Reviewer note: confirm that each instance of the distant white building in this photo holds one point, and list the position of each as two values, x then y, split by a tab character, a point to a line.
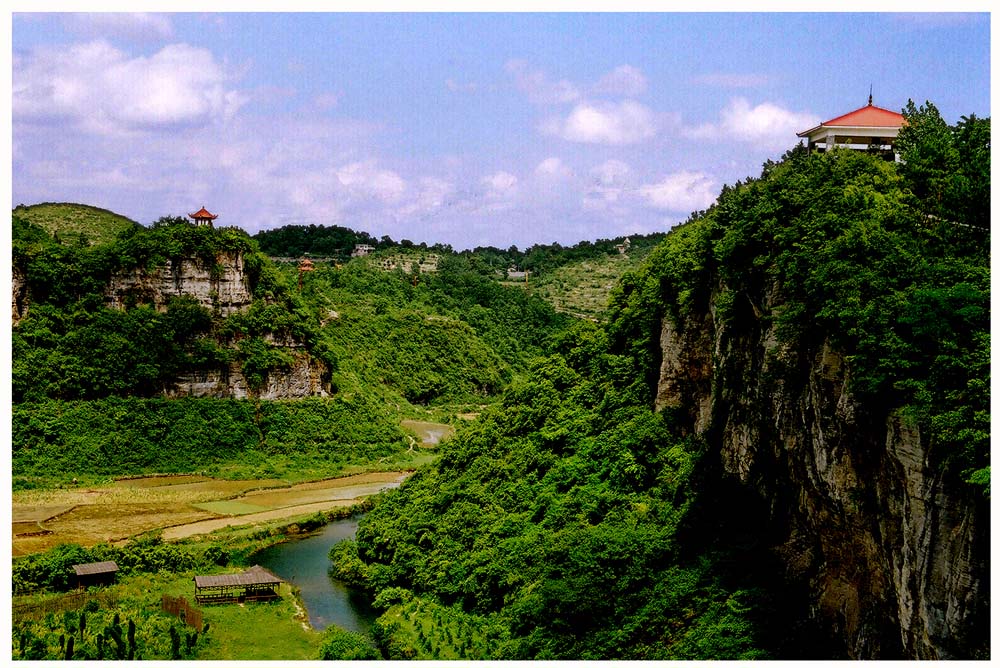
360	250
624	246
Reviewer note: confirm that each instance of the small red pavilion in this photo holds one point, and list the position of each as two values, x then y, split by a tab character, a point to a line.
203	217
867	128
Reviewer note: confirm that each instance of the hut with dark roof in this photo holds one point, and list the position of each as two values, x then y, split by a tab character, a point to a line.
254	584
95	574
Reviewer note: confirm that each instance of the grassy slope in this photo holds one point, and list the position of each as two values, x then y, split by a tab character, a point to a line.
98	226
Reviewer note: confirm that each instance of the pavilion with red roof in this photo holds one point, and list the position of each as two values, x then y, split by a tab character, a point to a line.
867	128
203	217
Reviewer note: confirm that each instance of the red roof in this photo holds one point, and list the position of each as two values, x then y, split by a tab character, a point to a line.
203	213
868	116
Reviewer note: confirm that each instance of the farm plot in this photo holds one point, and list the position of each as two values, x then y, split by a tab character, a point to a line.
43	519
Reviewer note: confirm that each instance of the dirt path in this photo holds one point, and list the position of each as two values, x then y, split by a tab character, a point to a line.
208	526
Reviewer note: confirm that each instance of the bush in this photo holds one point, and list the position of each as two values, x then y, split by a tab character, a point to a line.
341	645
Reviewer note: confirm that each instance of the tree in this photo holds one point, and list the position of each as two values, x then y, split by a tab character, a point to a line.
164	221
947	167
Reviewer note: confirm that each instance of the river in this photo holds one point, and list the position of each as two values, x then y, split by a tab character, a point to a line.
304	563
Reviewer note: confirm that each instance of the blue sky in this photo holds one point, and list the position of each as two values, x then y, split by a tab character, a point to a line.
467	129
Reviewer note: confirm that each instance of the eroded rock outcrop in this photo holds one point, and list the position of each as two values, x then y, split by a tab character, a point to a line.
305	377
221	286
19	295
892	548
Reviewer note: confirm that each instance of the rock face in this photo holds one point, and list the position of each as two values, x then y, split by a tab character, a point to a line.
307	377
19	295
223	287
893	551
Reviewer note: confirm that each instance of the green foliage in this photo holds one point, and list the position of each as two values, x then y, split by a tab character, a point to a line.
948	167
316	240
341	645
55	440
552	517
70	346
454	336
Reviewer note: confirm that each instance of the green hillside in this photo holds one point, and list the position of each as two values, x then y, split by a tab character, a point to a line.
582	288
73	223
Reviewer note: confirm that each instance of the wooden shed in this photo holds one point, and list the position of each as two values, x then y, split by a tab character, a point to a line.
254	584
95	574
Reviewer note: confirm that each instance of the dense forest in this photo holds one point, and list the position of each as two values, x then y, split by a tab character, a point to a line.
337	243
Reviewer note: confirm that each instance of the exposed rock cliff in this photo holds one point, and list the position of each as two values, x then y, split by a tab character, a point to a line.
19	295
222	287
893	550
306	377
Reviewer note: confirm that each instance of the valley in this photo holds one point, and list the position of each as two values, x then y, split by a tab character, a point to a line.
763	435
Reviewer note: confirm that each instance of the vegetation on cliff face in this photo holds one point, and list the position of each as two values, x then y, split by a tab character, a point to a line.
70	346
863	254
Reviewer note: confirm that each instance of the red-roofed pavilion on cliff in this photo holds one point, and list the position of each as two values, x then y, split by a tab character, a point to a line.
867	128
203	217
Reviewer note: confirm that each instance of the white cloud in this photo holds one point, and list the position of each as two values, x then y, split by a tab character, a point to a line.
99	89
611	172
681	191
766	125
535	84
625	122
553	168
623	80
500	183
609	185
366	178
138	26
432	194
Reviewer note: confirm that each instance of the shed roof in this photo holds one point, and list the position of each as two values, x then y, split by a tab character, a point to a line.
96	568
256	575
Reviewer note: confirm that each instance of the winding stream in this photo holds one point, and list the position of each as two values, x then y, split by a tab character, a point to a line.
304	563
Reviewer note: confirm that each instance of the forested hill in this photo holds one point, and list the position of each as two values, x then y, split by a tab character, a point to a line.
814	483
337	243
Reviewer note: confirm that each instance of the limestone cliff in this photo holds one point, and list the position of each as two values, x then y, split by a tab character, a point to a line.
306	377
19	295
891	548
221	286
224	288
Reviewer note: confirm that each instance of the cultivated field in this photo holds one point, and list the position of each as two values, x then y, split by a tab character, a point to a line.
180	505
